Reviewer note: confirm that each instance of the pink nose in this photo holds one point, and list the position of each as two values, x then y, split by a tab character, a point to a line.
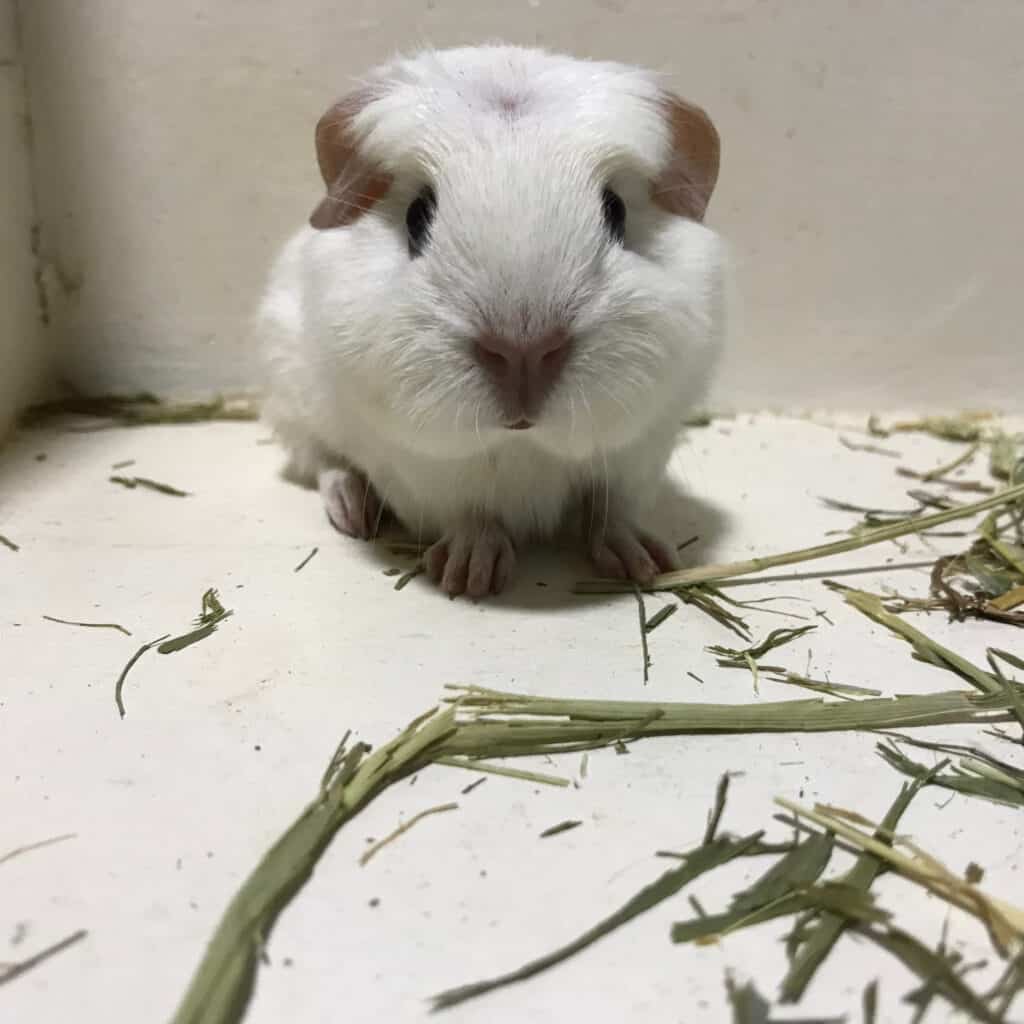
523	372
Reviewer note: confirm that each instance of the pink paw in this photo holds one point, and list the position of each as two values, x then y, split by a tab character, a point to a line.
473	559
620	551
351	503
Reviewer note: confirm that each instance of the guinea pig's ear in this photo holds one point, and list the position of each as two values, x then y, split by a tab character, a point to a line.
685	185
353	185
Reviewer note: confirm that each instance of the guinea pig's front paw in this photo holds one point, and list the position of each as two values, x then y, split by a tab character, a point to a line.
621	551
475	559
351	503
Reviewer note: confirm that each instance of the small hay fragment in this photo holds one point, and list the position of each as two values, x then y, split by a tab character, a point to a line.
466	790
946	468
702	859
1005	455
1009	600
1009	986
1004	921
475	765
819	934
88	625
869	1002
776	893
872	449
179	643
709	600
144	409
750	1007
682	581
8	543
29	847
119	685
302	565
747	658
973	778
651	624
644	651
222	985
967	427
8	972
406	578
131	482
925	649
717	810
373	850
562	826
123	464
213	613
825	686
934	970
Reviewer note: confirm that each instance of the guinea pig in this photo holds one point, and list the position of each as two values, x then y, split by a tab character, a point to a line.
501	310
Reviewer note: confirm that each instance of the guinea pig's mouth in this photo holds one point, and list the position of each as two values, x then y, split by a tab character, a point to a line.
520	424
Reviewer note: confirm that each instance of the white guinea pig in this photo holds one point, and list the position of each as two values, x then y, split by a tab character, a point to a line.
503	308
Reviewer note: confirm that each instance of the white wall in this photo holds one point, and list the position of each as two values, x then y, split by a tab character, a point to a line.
22	335
871	173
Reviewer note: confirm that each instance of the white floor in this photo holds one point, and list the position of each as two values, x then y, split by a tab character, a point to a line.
225	742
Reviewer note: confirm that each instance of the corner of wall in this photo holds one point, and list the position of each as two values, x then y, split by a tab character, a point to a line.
25	365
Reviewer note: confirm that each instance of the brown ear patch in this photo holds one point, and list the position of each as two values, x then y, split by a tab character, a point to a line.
685	185
353	185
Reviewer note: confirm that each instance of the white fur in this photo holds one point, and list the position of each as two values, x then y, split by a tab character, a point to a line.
369	352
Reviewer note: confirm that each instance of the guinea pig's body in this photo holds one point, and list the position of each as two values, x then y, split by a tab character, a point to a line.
503	308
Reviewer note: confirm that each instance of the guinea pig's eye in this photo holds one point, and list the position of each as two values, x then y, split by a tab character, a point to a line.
418	219
614	215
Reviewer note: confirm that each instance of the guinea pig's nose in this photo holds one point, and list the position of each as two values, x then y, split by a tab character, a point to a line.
524	370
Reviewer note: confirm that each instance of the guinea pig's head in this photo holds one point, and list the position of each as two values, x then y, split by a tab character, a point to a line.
516	245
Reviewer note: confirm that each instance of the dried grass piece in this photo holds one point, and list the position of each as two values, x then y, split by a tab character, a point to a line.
644	650
750	1007
1004	921
131	482
776	893
497	769
119	685
974	777
144	409
936	474
11	971
873	449
8	543
702	859
302	565
496	724
747	658
967	427
562	826
29	847
223	982
842	690
934	970
925	649
372	851
651	624
710	600
816	937
682	580
88	625
213	613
